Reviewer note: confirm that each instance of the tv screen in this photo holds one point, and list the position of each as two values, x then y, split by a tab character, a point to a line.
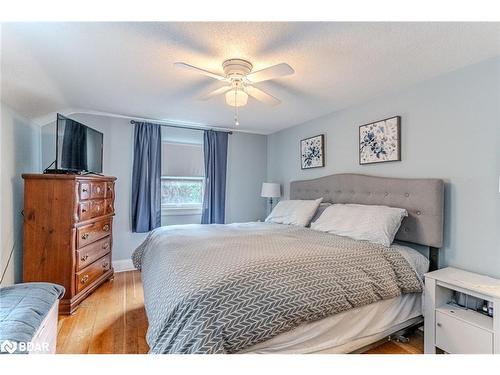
78	147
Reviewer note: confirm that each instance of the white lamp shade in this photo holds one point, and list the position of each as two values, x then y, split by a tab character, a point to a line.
270	190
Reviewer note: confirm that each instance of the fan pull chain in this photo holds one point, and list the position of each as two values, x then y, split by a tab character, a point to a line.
236	122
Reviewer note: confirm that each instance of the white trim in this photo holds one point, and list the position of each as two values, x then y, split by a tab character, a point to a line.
192	144
180	211
201	178
123	265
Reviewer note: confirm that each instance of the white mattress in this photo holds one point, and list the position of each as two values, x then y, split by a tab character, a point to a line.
352	329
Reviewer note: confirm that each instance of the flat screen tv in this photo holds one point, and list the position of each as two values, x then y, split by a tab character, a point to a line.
78	147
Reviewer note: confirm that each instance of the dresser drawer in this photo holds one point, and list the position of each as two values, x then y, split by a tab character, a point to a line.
88	275
98	189
109	206
97	207
459	337
94	208
84	212
110	189
84	190
90	253
92	232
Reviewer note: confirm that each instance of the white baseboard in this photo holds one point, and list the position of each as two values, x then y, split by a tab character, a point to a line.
123	265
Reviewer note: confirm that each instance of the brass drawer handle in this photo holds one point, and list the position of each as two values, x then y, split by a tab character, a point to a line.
105	228
105	265
105	245
85	236
83	258
84	279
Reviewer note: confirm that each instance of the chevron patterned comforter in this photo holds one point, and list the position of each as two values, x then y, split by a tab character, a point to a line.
223	288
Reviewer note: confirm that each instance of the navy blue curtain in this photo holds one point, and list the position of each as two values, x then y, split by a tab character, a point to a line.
146	178
214	200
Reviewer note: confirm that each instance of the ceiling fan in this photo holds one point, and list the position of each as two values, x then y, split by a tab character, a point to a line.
240	81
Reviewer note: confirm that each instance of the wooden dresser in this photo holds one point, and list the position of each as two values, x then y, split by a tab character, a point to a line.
68	233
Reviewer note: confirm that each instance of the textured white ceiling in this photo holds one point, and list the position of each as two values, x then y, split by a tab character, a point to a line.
127	68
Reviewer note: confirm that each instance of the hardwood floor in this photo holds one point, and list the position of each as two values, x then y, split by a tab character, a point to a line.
414	346
113	320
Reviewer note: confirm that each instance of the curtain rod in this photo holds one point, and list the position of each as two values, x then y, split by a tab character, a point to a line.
183	127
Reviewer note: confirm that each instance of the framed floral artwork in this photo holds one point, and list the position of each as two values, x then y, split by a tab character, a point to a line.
312	152
380	141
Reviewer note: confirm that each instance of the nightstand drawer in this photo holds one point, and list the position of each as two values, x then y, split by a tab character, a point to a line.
459	337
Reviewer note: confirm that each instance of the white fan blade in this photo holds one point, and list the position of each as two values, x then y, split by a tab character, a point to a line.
262	96
199	70
271	72
219	91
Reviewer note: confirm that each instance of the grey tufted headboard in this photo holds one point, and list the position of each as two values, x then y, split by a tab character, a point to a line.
422	198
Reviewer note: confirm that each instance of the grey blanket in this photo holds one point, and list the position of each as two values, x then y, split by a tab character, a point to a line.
23	307
223	288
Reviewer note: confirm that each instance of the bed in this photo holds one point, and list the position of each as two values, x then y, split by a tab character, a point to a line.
273	288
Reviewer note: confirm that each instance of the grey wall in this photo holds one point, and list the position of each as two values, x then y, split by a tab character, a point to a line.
20	153
246	171
450	130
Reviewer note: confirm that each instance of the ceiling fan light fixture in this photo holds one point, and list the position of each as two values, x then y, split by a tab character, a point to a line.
236	98
240	78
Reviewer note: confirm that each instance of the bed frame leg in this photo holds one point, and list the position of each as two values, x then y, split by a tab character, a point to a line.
433	258
402	339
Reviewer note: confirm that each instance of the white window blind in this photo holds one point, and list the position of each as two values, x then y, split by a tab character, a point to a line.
182	160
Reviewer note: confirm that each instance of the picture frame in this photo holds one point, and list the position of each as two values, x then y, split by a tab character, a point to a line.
380	141
312	152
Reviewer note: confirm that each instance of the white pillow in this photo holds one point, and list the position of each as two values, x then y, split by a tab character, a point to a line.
377	224
295	212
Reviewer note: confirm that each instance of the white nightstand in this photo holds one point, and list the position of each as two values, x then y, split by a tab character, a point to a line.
454	329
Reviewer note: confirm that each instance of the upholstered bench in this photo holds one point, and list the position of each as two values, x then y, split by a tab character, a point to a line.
28	318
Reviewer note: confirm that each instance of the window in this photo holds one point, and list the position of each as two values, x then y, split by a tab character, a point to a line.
182	178
182	192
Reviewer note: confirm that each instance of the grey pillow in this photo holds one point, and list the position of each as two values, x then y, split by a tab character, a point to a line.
322	207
